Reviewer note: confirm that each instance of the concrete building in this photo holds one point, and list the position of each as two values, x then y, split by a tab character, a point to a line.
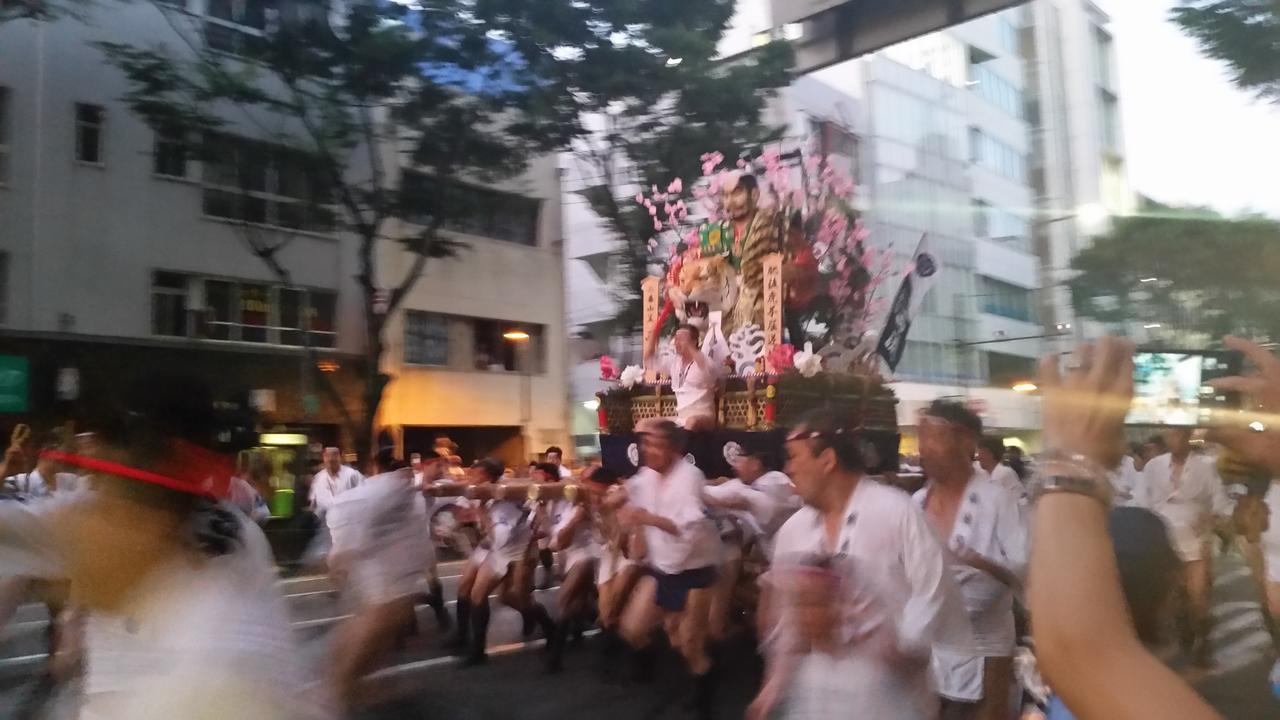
942	145
1078	167
114	245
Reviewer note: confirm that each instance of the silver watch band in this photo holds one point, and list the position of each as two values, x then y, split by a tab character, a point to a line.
1097	488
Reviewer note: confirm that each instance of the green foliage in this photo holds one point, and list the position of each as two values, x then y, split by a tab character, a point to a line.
1244	34
40	10
1212	276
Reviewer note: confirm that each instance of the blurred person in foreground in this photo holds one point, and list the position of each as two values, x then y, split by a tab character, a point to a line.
980	522
1184	488
184	619
858	593
1087	646
380	539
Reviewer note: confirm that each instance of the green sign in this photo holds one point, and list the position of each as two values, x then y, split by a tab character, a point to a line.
14	372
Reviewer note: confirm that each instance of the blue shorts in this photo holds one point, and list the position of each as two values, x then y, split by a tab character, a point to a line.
673	590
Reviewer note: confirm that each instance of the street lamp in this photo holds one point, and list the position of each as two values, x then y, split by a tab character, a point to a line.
1025	388
520	339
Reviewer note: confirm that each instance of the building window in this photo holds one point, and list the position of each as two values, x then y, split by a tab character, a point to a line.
1109	121
426	338
1102	57
169	158
1006	300
265	184
997	90
835	139
1009	36
89	120
981	219
237	26
4	135
997	156
1005	371
473	210
493	351
245	312
169	304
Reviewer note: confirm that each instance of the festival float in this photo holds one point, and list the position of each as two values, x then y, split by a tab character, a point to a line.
769	261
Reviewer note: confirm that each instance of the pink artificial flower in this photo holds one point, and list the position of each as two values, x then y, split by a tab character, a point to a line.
639	198
608	371
676	186
653	209
782	357
669	209
657	225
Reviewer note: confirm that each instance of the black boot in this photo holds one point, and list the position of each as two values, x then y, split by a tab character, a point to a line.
555	646
704	699
460	640
548	561
538	617
610	652
436	601
479	636
643	661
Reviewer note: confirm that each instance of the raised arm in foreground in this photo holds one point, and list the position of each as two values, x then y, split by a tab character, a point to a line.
1086	644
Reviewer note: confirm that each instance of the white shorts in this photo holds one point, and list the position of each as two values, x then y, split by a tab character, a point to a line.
610	565
569	557
958	676
392	573
498	561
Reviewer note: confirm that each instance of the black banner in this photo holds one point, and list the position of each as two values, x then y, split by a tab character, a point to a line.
893	341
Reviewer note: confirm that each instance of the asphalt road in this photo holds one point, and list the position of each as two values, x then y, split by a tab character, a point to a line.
421	680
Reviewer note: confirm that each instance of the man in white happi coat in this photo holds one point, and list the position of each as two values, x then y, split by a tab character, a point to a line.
1184	488
332	480
683	553
981	524
380	537
858	593
184	616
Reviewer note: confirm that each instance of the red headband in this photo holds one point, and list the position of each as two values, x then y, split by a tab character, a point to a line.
197	483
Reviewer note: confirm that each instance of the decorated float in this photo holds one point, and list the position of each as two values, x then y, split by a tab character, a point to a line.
769	261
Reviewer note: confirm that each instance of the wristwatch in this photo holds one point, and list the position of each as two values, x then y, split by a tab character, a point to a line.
1098	489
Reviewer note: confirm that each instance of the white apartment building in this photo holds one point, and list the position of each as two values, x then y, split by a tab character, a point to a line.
118	254
1078	161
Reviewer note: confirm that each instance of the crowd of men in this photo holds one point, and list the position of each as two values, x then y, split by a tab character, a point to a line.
864	600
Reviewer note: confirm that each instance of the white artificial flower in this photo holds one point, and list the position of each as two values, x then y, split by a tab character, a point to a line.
807	362
631	375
